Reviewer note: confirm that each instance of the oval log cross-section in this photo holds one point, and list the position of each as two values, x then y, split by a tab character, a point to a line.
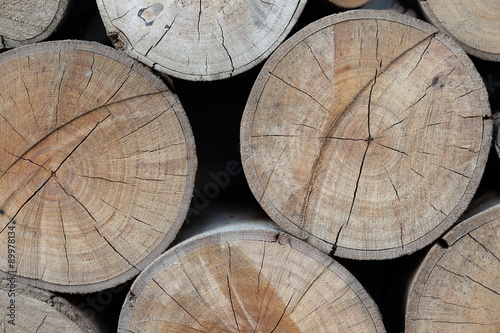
97	165
247	281
457	288
366	134
197	39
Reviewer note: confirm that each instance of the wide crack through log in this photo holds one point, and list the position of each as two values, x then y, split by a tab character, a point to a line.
52	174
368	89
67	142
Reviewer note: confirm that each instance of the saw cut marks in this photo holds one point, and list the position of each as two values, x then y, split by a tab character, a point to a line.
366	134
198	39
97	165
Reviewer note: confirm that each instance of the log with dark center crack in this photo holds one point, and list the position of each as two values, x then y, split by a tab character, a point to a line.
97	165
199	40
366	134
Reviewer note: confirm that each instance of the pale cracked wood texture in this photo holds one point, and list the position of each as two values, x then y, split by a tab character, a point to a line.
247	281
199	39
26	22
40	311
97	165
474	24
366	134
457	288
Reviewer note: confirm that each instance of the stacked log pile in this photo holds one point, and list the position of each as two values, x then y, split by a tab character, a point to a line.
343	180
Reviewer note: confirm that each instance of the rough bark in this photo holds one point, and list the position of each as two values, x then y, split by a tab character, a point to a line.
97	165
366	134
199	40
36	310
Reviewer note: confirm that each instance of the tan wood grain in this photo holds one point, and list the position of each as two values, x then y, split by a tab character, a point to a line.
37	310
247	281
457	286
474	24
366	134
97	165
349	3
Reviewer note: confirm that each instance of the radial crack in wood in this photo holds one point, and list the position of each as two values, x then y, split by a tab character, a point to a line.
382	101
457	287
255	280
199	40
97	161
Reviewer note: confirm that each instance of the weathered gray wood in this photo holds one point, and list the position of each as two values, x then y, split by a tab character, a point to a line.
28	22
199	40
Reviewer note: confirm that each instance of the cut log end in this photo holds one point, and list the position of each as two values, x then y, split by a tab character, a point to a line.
28	22
97	165
28	309
457	287
366	133
247	281
475	26
199	40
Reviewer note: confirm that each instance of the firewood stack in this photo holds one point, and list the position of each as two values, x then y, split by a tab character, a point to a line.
249	166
